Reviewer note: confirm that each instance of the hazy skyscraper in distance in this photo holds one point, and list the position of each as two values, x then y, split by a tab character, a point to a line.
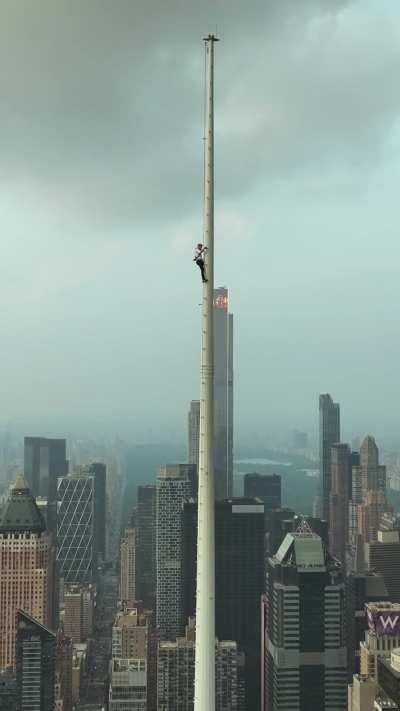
45	461
223	394
193	433
146	545
27	567
329	434
266	487
35	656
339	500
223	400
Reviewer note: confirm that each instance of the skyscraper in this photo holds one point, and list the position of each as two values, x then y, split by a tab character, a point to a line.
45	461
266	487
383	556
306	627
173	488
239	579
76	530
373	475
329	434
223	395
99	472
36	659
27	567
369	514
128	565
193	433
223	400
146	546
339	500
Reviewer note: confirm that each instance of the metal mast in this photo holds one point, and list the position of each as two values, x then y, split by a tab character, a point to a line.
204	686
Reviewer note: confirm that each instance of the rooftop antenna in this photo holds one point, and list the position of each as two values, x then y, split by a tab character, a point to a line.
204	685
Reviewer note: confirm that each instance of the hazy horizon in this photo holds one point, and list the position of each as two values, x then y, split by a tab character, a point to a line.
101	206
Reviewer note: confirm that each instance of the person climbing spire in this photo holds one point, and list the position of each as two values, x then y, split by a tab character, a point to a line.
199	255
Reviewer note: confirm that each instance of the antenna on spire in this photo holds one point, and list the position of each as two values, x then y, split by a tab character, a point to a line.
304	528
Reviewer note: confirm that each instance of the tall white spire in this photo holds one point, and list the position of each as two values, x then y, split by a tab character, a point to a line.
204	688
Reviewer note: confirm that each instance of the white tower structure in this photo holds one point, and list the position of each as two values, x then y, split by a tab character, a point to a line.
204	687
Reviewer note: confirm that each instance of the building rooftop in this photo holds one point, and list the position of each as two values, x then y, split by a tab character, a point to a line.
20	512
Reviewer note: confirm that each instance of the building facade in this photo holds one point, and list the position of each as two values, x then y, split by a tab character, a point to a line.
76	553
193	433
329	434
146	546
127	583
175	681
27	568
44	461
306	655
223	400
239	579
36	660
267	487
383	556
339	500
128	684
78	616
173	488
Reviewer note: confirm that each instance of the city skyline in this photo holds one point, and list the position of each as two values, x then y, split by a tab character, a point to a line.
305	233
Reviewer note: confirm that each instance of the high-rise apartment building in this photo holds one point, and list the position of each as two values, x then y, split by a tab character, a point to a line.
306	655
76	529
339	500
223	395
175	679
267	487
329	434
146	546
36	659
45	461
239	579
173	488
128	684
127	584
193	433
78	612
27	568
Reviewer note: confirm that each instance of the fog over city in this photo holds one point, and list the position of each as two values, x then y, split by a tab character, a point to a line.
101	145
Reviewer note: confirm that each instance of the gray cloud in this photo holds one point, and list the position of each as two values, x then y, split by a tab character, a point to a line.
100	200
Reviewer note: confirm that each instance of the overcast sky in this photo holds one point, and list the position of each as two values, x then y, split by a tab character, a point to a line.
100	205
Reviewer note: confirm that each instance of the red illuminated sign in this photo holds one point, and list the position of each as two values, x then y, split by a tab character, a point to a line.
221	302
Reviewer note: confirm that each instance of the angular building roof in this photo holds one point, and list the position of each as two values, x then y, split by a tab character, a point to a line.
20	513
306	551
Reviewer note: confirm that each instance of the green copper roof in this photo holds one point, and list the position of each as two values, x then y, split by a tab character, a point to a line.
20	513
